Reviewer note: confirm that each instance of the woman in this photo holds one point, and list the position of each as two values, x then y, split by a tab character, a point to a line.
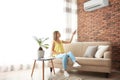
58	51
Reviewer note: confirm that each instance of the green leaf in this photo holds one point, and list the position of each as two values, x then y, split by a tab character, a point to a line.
41	42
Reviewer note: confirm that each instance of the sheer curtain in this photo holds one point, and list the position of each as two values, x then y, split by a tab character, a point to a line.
71	18
20	20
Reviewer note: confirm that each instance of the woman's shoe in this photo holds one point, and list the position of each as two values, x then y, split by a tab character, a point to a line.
76	64
66	74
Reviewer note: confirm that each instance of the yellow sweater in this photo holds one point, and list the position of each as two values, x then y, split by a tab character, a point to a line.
58	48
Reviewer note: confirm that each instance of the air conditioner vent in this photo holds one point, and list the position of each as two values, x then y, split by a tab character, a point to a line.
95	4
92	7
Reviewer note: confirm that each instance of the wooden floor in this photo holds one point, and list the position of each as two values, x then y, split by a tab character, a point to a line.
26	75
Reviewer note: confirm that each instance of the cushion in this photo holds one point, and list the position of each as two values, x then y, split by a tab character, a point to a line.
101	50
93	61
90	51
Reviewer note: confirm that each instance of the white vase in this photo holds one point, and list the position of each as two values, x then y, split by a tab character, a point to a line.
40	54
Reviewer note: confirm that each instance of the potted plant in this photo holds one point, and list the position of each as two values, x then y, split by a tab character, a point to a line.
42	44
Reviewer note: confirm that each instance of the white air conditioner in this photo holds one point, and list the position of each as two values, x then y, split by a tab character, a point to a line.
95	4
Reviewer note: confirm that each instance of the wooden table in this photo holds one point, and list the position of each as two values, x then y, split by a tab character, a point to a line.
43	59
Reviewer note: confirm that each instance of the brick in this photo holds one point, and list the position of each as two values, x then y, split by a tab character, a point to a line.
101	25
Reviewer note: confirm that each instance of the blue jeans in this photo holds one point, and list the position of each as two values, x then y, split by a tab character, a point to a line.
65	57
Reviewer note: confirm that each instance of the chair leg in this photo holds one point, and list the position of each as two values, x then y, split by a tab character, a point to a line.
53	66
107	75
50	77
51	69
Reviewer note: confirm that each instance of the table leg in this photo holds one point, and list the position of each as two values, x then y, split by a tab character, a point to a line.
43	70
53	66
33	67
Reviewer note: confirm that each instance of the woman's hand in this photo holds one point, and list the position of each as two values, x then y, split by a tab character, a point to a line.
66	42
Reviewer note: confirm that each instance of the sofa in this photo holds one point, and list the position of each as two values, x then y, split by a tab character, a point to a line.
92	63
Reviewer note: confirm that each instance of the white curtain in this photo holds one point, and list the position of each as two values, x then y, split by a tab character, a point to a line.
20	20
71	18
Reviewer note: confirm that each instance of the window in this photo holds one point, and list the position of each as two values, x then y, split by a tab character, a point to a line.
20	20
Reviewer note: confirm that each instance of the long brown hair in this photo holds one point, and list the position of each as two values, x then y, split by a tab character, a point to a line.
55	35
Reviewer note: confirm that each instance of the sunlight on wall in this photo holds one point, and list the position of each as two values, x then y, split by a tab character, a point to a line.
20	20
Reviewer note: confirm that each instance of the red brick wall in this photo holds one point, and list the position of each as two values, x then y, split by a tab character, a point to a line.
101	25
